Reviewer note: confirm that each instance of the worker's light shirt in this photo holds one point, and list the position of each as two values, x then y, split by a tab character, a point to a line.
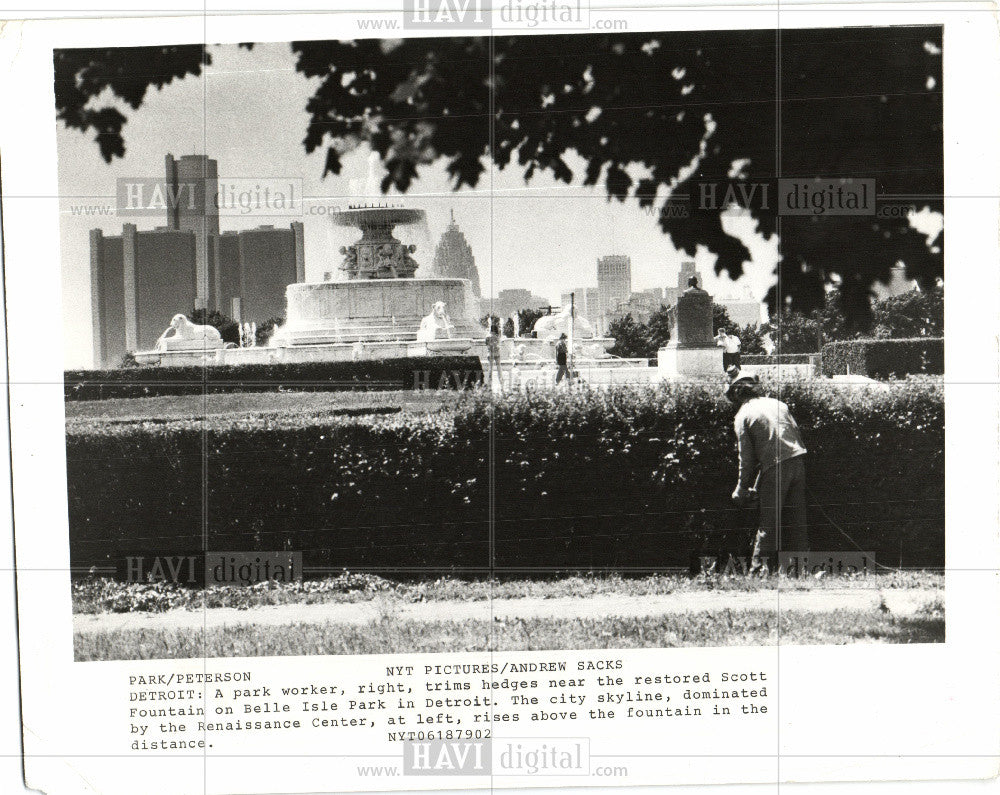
730	343
767	434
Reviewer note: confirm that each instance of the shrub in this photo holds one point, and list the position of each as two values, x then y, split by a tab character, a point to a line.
405	373
782	358
626	478
884	358
632	339
917	313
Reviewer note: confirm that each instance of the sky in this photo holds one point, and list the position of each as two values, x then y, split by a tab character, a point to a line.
248	112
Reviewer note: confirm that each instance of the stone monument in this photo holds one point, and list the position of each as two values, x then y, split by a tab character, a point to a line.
183	335
436	326
691	352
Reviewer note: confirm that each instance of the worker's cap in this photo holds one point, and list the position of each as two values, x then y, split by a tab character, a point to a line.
736	378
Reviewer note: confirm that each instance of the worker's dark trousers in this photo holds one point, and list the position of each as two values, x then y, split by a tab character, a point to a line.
782	493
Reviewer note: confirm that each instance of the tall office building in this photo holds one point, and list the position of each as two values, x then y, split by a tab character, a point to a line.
688	271
614	281
453	257
107	298
684	275
586	302
507	302
252	268
193	183
140	279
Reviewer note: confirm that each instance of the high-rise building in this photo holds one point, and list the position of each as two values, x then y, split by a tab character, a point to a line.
142	278
614	281
107	298
586	303
252	268
453	257
139	281
688	271
743	311
507	302
641	305
193	183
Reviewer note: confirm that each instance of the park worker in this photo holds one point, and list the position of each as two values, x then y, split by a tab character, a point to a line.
731	345
770	449
562	358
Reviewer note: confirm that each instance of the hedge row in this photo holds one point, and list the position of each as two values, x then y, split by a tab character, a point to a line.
781	358
405	373
618	478
885	358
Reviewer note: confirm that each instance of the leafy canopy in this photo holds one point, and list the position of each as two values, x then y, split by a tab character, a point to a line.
681	106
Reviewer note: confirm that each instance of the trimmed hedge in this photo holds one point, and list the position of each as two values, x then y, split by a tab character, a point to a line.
619	478
781	358
885	358
404	373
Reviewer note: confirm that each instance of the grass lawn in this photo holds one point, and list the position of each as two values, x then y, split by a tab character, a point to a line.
389	635
391	631
102	595
243	403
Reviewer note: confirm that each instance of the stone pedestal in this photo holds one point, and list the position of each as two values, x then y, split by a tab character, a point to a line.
184	344
679	361
692	327
691	352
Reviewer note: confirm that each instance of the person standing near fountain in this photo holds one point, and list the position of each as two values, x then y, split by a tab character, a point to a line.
493	354
731	346
562	358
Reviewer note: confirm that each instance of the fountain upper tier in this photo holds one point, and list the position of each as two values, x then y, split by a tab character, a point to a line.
377	217
378	255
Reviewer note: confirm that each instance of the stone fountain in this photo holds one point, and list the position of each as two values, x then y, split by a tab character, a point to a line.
381	309
381	300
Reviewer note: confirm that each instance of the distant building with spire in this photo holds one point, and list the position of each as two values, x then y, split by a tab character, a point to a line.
743	309
453	257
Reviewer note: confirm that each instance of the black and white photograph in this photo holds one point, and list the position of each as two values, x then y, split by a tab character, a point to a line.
515	342
456	395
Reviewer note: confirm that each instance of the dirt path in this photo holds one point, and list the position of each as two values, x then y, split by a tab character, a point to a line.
900	602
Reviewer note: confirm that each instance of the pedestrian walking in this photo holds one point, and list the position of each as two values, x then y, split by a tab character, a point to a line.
562	359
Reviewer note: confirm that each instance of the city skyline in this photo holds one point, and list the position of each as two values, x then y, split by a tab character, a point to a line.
547	251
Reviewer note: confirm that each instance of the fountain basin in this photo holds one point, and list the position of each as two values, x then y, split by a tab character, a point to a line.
373	310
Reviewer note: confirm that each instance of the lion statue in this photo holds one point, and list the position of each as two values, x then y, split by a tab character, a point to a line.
182	334
436	326
549	327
